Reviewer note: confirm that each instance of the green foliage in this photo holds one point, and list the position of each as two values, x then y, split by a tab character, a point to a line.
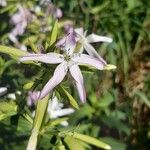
7	109
118	106
54	33
13	52
90	140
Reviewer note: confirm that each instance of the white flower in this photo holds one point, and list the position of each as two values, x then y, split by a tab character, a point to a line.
56	110
3	90
12	96
3	3
92	38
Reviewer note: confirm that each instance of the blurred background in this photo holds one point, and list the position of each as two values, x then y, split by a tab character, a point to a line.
118	102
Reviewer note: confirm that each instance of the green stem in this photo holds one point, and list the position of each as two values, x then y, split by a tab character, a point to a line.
39	120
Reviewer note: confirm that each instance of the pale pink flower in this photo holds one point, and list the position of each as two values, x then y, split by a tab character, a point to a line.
87	40
20	21
32	97
68	62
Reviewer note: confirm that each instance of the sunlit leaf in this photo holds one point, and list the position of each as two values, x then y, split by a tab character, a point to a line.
28	85
73	143
12	51
70	98
90	140
32	45
109	67
54	33
7	109
55	122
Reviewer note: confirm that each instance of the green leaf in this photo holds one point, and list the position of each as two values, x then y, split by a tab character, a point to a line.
6	65
57	121
99	8
53	123
70	98
28	85
32	45
73	143
143	98
7	109
54	33
13	52
106	100
89	140
24	125
109	67
115	144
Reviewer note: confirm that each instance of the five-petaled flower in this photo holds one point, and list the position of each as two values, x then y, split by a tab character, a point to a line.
69	61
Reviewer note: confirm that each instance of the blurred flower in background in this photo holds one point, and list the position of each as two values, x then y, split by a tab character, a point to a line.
3	90
3	3
87	40
52	9
32	97
20	20
56	110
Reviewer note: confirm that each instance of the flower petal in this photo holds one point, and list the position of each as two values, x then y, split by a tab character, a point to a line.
96	38
91	50
76	74
79	31
51	58
32	97
88	60
68	43
57	77
3	90
64	112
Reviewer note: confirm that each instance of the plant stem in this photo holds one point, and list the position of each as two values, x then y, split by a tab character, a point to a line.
39	120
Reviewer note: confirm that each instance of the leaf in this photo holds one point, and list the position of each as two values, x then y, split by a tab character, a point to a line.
115	144
89	140
7	109
54	33
28	118
114	122
70	98
28	85
73	143
12	51
24	125
109	67
32	45
99	8
143	98
55	122
6	65
106	100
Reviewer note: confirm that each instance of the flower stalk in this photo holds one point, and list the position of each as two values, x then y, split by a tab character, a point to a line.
39	120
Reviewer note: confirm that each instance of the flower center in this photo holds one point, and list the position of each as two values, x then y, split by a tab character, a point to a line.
67	57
